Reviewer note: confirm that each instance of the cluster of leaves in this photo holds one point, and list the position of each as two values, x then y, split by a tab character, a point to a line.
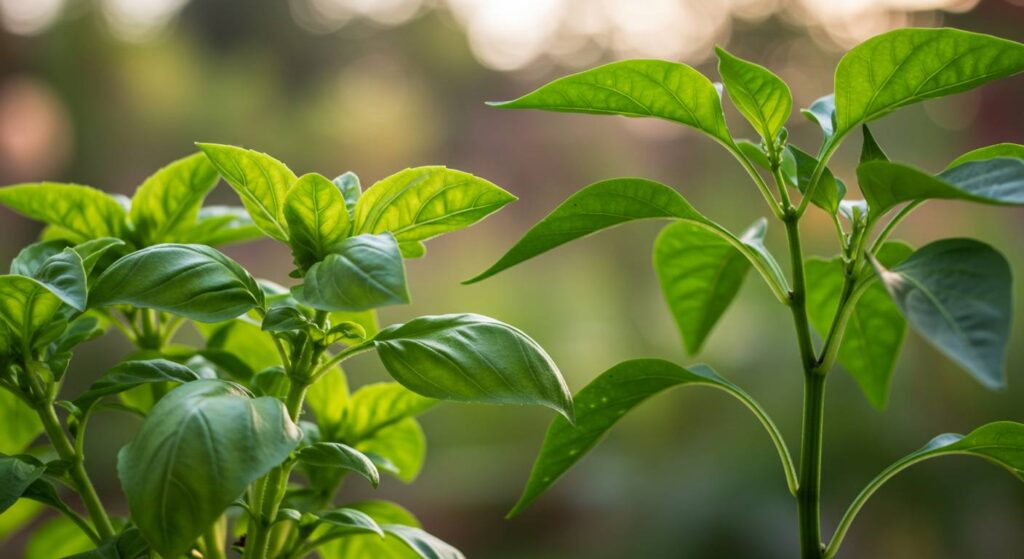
225	425
955	293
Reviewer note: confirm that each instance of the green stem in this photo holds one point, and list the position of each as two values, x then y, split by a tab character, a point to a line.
809	493
758	180
889	227
83	484
213	540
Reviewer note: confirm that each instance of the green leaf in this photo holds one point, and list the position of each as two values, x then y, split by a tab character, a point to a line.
345	521
402	444
21	424
242	340
910	65
59	537
64	275
17	473
328	399
998	181
193	281
870	150
30	258
613	202
364	272
600	405
348	184
223	225
284	319
167	203
376	406
337	455
128	544
422	543
635	88
823	112
27	307
81	212
753	152
956	294
17	517
990	152
370	545
761	96
423	202
92	252
130	374
875	331
700	274
472	358
829	192
197	451
261	181
318	220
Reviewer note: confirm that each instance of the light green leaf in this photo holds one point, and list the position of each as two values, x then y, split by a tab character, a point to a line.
423	544
402	444
130	374
376	406
21	424
58	537
613	202
176	473
318	220
636	88
223	225
81	212
829	192
472	358
370	545
823	112
260	181
990	152
27	307
423	202
761	96
17	517
337	455
242	339
700	274
193	281
956	294
602	403
875	331
910	65
167	203
998	181
328	398
364	272
348	184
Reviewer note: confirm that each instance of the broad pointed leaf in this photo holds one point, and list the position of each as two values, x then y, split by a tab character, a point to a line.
81	212
130	374
761	96
166	205
27	307
401	444
371	545
318	220
364	272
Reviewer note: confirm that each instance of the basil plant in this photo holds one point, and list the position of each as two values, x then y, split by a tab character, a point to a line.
245	440
851	309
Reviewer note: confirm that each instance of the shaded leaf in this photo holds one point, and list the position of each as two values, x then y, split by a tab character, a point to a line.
130	374
364	272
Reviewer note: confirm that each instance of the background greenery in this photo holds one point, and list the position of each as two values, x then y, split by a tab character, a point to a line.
103	92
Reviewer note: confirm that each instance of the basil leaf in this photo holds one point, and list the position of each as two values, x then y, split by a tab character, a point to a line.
129	544
348	184
423	202
130	374
328	400
823	112
990	152
81	212
956	294
371	545
284	319
337	455
30	258
364	272
905	66
346	521
317	219
761	96
422	543
223	225
402	445
636	88
21	424
97	250
166	205
17	473
260	181
58	537
64	275
700	274
28	307
178	458
193	281
472	358
376	406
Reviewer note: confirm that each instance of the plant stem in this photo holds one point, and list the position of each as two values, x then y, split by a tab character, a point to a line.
66	451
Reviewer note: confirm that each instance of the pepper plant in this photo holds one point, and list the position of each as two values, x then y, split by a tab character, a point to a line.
227	424
955	293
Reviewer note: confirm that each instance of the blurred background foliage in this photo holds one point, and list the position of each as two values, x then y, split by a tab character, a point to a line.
103	92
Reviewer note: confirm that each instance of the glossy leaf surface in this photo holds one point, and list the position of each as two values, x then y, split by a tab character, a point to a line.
761	97
364	272
317	218
166	205
336	455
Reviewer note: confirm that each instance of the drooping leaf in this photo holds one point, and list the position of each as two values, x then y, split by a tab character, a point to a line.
223	225
823	112
700	274
956	294
635	88
318	220
261	181
875	331
364	272
472	358
348	184
998	181
193	281
337	455
761	96
600	405
423	202
401	444
64	275
376	406
990	152
27	307
17	473
197	451
613	202
81	212
167	203
130	374
828	193
905	66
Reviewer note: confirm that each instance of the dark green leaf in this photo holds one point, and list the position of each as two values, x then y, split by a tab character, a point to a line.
423	544
870	150
829	191
81	212
126	545
283	319
166	205
473	358
318	220
32	257
337	455
956	294
197	451
130	374
193	281
761	97
349	521
260	181
365	272
17	473
64	275
636	88
423	202
910	65
92	252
